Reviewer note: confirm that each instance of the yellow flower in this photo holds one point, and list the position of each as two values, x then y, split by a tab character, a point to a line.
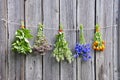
22	27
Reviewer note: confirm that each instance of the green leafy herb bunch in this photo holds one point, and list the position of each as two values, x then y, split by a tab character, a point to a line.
61	51
41	44
21	44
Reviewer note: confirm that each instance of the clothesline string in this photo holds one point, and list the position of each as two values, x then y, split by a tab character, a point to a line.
14	23
76	42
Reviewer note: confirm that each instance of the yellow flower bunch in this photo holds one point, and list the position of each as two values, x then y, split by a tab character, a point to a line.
98	44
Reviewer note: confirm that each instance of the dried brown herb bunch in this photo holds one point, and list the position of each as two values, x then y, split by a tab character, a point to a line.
41	44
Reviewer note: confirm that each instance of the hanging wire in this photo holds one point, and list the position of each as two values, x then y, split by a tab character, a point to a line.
11	22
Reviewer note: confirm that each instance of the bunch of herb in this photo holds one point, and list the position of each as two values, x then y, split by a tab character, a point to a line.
99	44
61	51
21	44
41	44
82	49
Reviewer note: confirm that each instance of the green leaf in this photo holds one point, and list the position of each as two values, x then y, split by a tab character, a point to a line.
21	43
61	51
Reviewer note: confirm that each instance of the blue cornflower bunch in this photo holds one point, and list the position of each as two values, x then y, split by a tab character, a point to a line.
82	49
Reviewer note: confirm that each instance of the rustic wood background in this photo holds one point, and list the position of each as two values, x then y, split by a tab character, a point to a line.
71	13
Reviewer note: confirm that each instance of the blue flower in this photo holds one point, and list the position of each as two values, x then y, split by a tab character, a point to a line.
86	48
78	48
76	55
77	45
86	56
83	50
89	55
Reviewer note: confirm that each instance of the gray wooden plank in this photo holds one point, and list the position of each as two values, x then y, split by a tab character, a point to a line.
118	40
115	40
3	40
15	14
104	60
20	59
99	56
68	20
86	16
33	15
51	20
47	11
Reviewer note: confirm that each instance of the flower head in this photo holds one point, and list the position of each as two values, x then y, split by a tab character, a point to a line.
76	55
86	56
83	50
78	48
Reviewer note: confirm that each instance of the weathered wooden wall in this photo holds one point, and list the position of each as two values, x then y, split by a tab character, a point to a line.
71	13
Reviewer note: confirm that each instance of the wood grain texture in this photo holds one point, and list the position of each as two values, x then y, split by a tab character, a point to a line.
3	40
70	13
50	20
115	40
86	16
118	40
33	16
68	20
104	60
15	61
